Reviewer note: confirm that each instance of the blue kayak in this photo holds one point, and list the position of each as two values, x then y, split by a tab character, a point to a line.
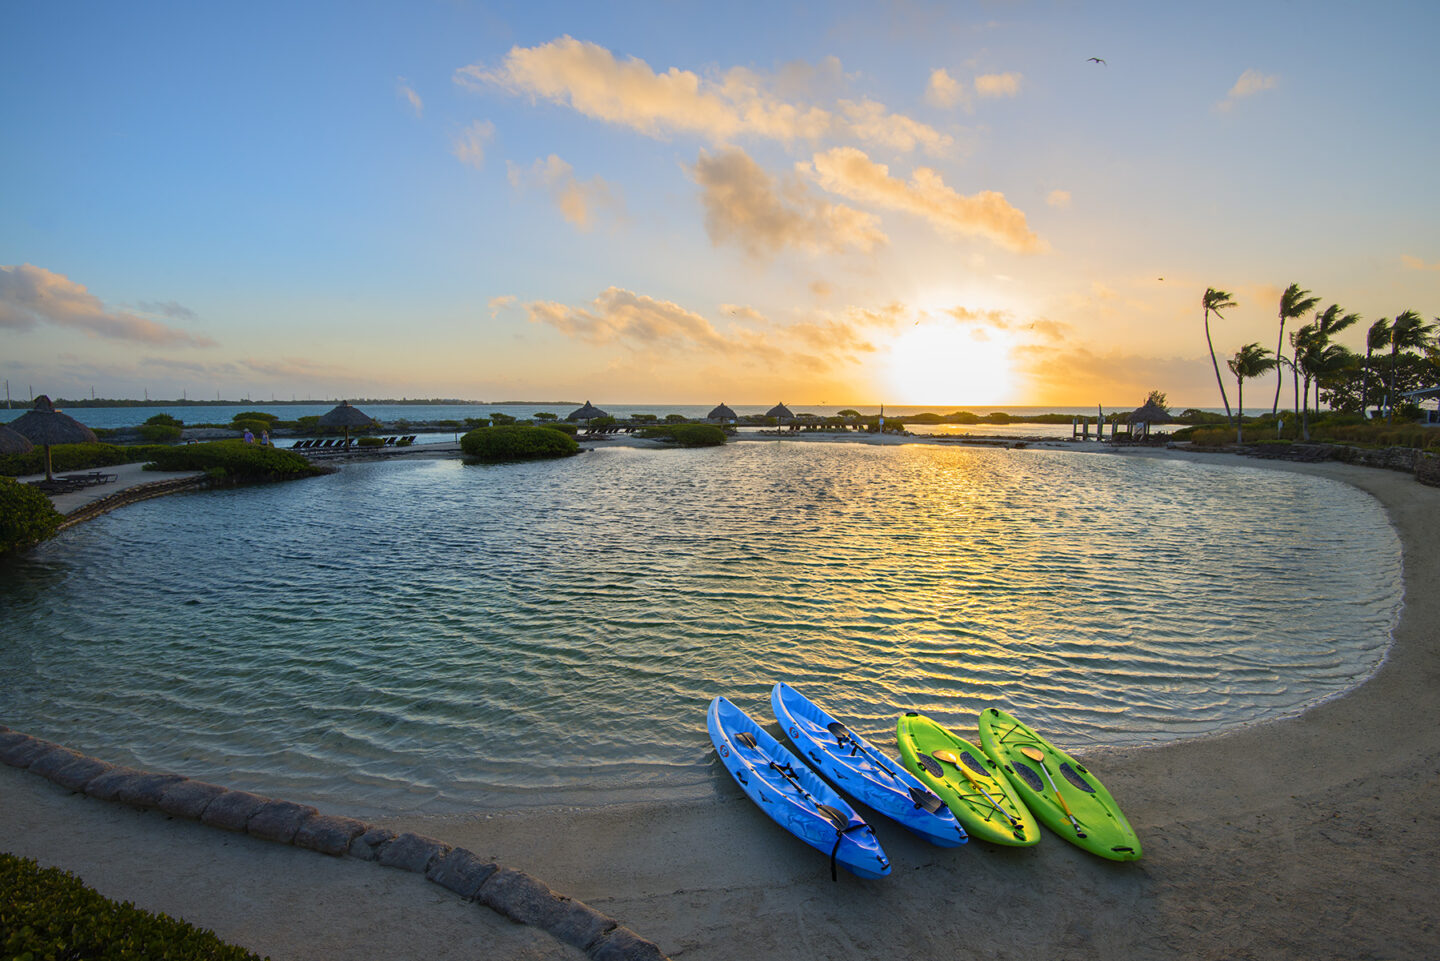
857	768
793	795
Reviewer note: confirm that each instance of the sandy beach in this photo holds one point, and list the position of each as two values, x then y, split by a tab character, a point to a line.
1307	837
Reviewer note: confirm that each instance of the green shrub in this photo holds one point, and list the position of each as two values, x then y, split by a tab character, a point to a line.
963	417
255	415
165	420
563	426
501	420
517	442
686	435
74	457
674	418
253	426
235	460
473	422
26	518
159	433
46	913
308	423
371	442
404	442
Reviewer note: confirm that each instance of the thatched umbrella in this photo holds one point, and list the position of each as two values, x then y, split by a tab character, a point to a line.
13	443
588	412
1151	413
46	426
781	413
343	415
722	414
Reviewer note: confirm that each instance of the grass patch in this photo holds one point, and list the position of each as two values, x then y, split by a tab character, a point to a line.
48	915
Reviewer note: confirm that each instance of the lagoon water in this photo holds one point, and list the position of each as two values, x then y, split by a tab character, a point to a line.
440	637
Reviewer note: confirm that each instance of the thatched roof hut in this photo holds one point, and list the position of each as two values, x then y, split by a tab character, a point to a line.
721	415
1150	414
14	443
344	416
588	412
780	412
46	426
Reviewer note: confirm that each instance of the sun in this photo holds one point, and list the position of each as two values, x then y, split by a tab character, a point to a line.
939	363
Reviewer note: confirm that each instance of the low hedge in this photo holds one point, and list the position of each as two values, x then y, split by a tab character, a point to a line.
234	459
517	442
687	435
47	914
26	516
65	458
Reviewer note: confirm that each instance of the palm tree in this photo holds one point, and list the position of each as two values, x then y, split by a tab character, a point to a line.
1408	331
1216	301
1310	344
1376	337
1252	360
1293	303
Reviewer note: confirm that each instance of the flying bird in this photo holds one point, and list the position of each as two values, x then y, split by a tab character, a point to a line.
1097	60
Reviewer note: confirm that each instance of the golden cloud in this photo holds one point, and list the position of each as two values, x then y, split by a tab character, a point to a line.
589	79
469	144
850	173
622	315
998	84
30	296
578	200
1415	263
943	90
763	214
1058	198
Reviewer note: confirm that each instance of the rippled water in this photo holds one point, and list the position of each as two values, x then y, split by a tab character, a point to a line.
434	636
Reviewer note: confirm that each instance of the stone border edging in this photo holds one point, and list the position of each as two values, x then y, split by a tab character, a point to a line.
131	495
510	893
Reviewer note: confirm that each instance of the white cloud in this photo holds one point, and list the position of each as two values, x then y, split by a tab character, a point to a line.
578	200
497	304
850	173
408	94
1250	83
469	144
764	214
30	296
618	315
1415	263
1058	198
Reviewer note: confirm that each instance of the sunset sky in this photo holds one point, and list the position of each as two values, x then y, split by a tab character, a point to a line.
912	203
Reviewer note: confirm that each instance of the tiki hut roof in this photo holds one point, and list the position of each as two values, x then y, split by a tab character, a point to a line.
780	412
13	443
47	426
588	412
721	413
343	415
1150	414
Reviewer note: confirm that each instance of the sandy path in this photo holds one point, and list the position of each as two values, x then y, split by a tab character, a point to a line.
1308	837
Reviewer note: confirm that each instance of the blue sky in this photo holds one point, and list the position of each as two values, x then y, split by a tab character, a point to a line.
925	203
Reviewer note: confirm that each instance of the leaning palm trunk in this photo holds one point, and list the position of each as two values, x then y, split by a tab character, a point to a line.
1216	300
1240	409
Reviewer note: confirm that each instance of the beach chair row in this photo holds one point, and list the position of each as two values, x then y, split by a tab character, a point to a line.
67	483
606	431
338	443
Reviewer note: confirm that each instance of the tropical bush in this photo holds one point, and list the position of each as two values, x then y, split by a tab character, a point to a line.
159	433
501	420
687	435
371	442
46	913
26	518
74	457
165	420
563	426
253	426
256	415
517	442
234	460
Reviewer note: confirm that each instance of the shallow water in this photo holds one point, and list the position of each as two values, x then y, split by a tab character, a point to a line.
439	637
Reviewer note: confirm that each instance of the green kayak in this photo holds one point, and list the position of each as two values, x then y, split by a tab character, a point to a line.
1064	795
967	781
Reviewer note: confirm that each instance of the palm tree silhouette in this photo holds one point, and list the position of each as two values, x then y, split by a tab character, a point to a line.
1376	337
1215	301
1249	361
1407	332
1293	303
